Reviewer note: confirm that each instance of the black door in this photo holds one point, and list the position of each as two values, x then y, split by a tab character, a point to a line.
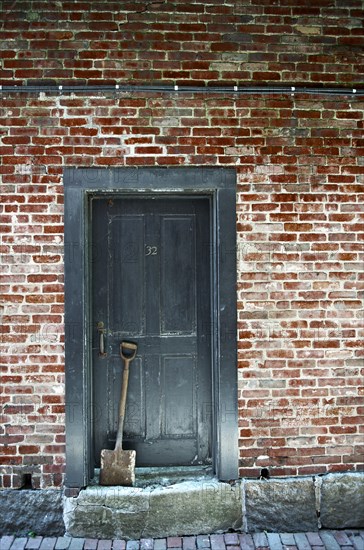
151	285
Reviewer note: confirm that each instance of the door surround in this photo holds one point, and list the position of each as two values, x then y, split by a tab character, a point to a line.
79	185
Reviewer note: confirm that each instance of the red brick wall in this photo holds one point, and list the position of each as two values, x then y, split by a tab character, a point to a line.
299	204
182	41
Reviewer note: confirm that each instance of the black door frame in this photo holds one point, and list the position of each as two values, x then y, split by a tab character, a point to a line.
80	184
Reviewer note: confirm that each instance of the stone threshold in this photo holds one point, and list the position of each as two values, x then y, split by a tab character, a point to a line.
164	476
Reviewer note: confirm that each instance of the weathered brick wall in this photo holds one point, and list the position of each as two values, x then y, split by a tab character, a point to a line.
182	41
298	207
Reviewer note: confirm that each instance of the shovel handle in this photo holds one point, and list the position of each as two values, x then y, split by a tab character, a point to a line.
128	350
127	358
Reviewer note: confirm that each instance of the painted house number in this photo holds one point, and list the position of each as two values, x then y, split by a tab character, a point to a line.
151	250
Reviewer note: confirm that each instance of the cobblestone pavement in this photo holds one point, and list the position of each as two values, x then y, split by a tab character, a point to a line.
322	540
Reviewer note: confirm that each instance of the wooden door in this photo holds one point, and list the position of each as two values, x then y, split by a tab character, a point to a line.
151	285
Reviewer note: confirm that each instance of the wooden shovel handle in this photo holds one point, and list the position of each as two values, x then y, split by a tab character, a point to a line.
124	390
122	405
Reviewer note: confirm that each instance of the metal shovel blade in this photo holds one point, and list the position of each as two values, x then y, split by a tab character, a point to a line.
117	467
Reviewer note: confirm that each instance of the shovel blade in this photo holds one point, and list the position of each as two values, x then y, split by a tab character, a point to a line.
117	467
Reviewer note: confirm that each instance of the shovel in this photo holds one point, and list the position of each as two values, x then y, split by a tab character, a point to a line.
118	466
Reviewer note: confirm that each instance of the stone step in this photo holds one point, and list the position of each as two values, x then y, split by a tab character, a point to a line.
173	502
200	505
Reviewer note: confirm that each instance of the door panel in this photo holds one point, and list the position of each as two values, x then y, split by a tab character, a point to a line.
178	284
179	403
151	284
126	273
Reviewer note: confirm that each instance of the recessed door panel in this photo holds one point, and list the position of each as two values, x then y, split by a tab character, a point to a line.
179	402
178	284
126	261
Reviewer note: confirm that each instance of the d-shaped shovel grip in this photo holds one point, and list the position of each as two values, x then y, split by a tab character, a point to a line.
127	353
128	350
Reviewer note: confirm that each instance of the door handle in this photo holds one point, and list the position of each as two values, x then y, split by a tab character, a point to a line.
101	330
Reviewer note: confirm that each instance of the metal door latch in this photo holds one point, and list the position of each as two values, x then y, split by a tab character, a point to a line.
101	330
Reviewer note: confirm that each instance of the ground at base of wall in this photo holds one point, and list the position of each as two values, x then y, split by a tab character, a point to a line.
289	505
323	540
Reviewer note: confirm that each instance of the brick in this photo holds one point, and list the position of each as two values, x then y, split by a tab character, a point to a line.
19	543
231	539
329	540
274	541
287	539
357	541
314	539
63	543
48	543
246	541
203	541
174	542
6	541
260	539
